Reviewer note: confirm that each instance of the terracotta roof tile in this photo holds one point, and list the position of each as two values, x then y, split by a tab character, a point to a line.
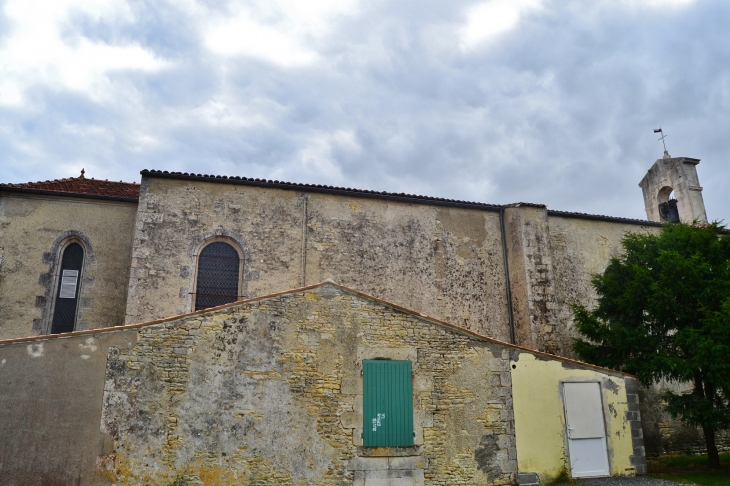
83	185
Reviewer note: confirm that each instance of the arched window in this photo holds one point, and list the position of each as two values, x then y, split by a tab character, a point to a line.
67	293
218	275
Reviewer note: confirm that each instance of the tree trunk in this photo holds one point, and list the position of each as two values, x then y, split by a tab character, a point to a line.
712	453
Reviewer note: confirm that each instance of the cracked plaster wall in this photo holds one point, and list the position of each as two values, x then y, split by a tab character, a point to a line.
540	417
51	392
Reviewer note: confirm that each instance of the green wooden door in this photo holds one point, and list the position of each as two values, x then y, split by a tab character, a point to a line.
387	397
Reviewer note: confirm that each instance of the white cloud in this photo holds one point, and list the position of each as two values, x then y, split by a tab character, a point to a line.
35	51
241	35
493	17
219	114
657	3
559	109
278	31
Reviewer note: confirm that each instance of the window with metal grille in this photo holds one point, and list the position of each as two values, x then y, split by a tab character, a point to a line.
217	284
387	399
67	293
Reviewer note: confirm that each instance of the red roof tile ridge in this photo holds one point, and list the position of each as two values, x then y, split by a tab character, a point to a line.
81	185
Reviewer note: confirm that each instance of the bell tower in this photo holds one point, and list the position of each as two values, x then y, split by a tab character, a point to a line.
672	191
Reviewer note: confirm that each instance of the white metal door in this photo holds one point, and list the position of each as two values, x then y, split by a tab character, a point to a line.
586	430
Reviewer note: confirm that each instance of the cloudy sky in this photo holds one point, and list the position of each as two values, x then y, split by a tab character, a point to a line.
496	101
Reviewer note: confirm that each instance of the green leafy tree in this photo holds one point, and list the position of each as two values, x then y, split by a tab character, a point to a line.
664	313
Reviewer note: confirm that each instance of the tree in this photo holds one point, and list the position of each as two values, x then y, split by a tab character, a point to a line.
663	312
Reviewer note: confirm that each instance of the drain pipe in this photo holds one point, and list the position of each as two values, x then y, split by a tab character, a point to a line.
305	216
510	314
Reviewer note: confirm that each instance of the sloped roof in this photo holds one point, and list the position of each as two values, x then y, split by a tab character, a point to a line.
599	217
81	186
366	193
345	191
327	282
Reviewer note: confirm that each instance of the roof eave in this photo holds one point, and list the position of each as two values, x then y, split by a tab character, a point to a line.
46	192
291	186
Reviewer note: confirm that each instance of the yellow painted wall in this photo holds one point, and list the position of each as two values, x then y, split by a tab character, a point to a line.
540	419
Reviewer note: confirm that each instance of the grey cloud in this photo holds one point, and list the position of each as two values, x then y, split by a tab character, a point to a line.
559	110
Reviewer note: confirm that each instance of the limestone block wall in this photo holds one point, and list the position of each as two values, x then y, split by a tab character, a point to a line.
453	256
666	435
32	231
270	392
176	217
446	262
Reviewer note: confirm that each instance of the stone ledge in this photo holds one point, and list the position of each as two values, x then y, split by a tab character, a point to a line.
411	463
388	451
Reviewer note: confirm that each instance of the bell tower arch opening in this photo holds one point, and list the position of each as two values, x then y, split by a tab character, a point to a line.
668	210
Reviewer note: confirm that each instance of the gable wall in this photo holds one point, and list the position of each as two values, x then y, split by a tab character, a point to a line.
272	390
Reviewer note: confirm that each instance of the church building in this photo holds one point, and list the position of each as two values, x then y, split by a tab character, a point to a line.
150	275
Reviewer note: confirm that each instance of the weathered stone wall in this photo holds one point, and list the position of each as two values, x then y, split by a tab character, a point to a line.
32	230
269	392
51	391
580	249
442	261
176	217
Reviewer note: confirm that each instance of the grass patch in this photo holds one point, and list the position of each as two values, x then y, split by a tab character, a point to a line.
691	469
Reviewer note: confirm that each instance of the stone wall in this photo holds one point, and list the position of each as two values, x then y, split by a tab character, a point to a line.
666	435
269	392
445	262
32	231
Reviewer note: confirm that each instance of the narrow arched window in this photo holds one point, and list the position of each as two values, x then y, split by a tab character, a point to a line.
218	272
67	293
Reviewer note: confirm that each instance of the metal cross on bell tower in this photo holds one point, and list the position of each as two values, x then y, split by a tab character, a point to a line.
659	130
